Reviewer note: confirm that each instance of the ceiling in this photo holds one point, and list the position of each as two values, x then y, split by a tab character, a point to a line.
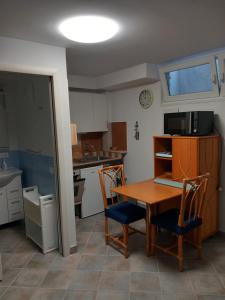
152	31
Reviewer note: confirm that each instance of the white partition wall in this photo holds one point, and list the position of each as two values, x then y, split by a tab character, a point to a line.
35	58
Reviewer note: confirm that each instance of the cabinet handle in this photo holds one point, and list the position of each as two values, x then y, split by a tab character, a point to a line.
14	202
16	213
14	191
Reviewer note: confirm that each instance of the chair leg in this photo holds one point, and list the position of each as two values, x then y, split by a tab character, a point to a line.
148	235
199	242
125	240
106	231
153	233
180	253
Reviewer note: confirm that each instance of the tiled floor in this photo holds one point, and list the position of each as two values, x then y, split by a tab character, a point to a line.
99	272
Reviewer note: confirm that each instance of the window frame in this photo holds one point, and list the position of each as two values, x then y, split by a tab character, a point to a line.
166	98
221	60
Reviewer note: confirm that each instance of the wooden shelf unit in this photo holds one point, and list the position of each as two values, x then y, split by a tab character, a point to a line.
192	156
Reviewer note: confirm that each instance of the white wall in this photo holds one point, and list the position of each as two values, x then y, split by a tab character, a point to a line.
29	57
28	111
139	159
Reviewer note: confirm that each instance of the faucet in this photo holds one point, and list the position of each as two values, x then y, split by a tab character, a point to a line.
3	165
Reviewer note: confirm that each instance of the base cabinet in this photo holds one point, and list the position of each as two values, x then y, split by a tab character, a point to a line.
191	157
11	202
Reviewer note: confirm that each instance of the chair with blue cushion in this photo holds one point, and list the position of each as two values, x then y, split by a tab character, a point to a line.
121	210
181	221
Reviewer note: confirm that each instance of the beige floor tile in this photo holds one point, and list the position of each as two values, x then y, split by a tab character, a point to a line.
115	251
26	246
179	297
2	290
58	278
70	261
114	280
167	264
112	295
17	293
117	263
82	237
9	275
92	262
144	296
198	266
85	225
214	250
219	263
99	227
144	281
95	248
141	263
85	280
207	284
210	297
80	295
30	277
48	294
17	260
42	261
175	283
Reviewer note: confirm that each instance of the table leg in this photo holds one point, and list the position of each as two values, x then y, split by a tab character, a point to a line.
148	236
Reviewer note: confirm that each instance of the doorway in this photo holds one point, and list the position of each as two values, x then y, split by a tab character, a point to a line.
28	145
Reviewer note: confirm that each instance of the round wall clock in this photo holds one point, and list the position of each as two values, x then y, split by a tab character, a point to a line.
146	98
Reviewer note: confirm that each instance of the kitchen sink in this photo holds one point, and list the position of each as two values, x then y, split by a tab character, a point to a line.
8	175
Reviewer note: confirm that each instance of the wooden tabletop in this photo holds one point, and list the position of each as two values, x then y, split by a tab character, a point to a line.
148	191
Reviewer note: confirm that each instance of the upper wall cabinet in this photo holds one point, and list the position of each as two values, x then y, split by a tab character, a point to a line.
88	111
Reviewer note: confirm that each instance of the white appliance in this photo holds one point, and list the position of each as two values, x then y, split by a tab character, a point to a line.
92	202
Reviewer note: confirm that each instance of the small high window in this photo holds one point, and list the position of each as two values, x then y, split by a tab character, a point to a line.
190	80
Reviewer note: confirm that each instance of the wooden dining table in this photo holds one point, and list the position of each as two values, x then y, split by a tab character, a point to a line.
151	194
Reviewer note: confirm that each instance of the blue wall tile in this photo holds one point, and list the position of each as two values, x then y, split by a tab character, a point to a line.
36	170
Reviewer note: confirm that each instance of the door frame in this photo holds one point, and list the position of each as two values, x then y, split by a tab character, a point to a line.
66	233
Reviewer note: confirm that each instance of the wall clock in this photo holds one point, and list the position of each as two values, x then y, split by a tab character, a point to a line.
146	98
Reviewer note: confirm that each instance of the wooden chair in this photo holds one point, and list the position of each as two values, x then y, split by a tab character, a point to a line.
181	221
124	212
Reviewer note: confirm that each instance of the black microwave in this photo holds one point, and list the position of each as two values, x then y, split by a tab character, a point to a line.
189	123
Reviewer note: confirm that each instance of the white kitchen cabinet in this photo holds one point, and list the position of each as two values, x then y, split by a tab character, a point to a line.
92	202
100	112
88	111
3	207
81	111
11	202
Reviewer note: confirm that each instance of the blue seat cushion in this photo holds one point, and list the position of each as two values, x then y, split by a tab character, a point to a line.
125	212
169	220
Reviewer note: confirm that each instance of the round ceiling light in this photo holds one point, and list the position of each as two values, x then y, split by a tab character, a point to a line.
89	29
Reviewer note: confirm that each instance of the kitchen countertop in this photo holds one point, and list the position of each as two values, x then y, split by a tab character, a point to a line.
85	163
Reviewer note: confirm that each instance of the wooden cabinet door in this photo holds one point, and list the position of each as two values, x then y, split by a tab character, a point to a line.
185	162
209	162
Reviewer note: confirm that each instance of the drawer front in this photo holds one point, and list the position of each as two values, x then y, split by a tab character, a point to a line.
16	215
3	207
14	192
15	204
16	182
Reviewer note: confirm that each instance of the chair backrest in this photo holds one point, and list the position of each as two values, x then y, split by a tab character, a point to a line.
111	177
193	199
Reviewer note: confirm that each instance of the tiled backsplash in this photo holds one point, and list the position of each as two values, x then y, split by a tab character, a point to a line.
37	170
